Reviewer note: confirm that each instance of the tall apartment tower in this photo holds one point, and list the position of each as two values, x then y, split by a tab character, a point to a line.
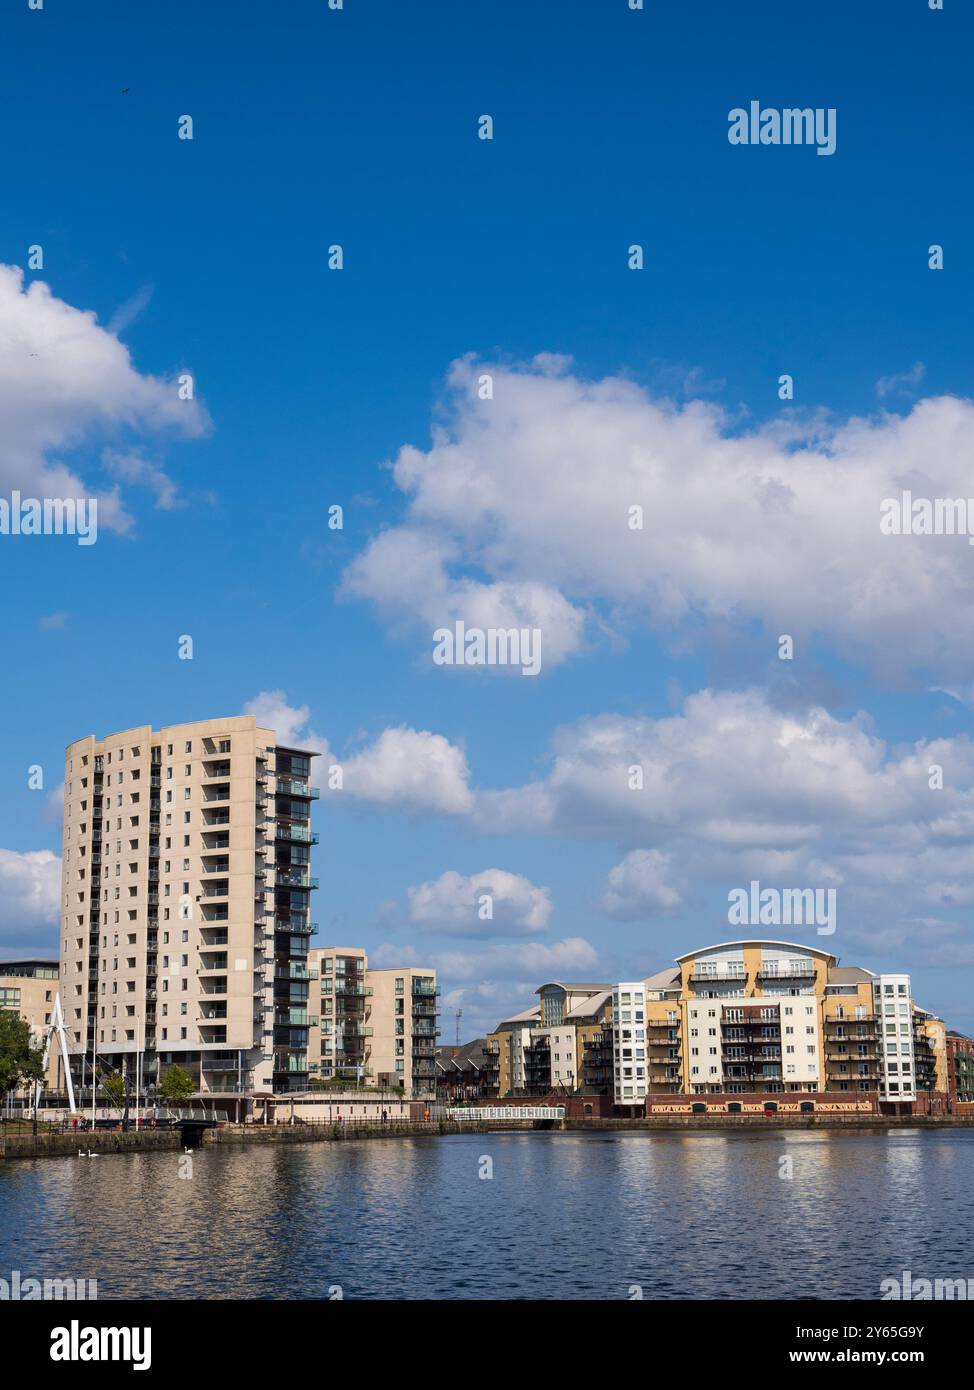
185	914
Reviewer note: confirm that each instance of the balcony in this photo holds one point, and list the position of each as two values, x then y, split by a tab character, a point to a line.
780	971
215	866
351	988
294	972
296	1018
290	1062
214	795
217	966
298	926
700	976
293	878
292	786
291	830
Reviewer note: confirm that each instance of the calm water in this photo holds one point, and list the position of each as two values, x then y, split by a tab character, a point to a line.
564	1216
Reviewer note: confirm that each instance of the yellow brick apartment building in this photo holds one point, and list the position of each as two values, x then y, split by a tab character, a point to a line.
734	1018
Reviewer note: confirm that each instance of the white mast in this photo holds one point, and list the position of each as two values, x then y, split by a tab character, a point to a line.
56	1026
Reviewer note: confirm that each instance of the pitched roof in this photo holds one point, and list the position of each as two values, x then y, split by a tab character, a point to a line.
471	1054
663	979
849	975
590	1006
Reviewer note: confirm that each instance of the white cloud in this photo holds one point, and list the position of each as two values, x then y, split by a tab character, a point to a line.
133	308
639	887
410	769
406	572
65	381
134	469
901	382
521	504
528	960
734	787
453	903
30	892
406	769
290	722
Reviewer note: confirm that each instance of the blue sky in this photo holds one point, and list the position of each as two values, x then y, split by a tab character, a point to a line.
359	127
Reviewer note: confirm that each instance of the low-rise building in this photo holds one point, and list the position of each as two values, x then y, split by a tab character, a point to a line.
551	1046
463	1072
28	988
960	1068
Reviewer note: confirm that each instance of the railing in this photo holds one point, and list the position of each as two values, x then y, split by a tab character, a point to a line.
295	972
293	878
291	786
291	831
786	972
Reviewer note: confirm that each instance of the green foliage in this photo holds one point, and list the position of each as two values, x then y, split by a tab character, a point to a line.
20	1060
115	1088
177	1085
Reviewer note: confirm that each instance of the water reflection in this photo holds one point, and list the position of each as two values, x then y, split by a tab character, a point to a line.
564	1216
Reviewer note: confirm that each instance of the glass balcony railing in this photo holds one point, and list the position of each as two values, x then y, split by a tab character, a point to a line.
291	786
294	878
295	972
300	833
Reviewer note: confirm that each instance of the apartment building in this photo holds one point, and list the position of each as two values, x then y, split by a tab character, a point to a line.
339	1042
375	1027
185	915
28	988
773	1016
960	1068
738	1017
405	1009
558	1045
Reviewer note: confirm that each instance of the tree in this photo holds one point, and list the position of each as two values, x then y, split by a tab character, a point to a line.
177	1085
20	1060
115	1089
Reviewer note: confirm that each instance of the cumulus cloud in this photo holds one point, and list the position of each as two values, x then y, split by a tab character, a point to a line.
290	722
639	886
406	573
406	769
521	505
412	769
30	895
454	903
66	382
732	786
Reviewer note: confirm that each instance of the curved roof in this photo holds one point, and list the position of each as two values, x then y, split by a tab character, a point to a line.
758	941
